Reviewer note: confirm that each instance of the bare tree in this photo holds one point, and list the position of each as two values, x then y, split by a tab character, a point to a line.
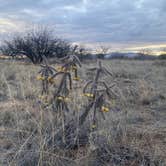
145	51
36	44
103	50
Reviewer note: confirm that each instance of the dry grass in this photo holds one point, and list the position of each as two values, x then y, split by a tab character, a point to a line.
135	135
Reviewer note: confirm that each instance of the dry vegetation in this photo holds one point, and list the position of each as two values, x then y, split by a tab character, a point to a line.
133	132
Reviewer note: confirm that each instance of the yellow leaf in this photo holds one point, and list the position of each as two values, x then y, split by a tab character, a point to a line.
76	78
93	126
105	109
50	80
63	98
88	95
39	77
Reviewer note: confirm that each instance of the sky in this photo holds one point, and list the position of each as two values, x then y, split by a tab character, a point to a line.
119	23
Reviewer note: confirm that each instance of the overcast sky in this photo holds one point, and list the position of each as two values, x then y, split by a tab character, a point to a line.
89	21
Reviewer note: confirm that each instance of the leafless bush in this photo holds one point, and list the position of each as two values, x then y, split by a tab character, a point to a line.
36	44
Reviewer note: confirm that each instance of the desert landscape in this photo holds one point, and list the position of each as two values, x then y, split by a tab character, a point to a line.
82	83
133	132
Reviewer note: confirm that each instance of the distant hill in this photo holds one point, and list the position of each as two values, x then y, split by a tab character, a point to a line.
118	55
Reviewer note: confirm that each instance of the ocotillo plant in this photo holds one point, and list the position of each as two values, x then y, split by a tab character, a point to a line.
98	93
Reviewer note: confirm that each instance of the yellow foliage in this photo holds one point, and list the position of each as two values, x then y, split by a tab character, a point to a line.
104	109
39	77
88	95
44	98
93	126
74	68
50	80
76	78
62	98
61	69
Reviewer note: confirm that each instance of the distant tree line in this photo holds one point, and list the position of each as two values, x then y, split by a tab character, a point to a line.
162	57
40	43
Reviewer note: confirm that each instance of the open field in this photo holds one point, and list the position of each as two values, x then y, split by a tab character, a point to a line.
136	131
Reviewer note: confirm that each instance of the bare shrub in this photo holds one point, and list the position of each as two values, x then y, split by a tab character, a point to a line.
35	44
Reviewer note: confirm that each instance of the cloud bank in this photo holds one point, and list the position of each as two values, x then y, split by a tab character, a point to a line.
89	20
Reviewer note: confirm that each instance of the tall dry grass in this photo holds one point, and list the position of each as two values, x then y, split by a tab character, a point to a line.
134	135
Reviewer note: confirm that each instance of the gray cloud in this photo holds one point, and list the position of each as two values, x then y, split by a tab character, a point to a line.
90	20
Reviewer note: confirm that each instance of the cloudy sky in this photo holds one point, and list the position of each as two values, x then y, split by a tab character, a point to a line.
89	21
